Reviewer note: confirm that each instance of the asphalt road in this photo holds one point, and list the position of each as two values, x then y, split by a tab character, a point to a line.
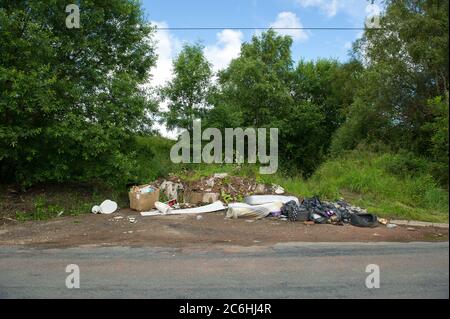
292	270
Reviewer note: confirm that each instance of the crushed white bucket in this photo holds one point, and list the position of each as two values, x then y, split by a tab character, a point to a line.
107	207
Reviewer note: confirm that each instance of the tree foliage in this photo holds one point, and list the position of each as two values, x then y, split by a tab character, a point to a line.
70	99
188	91
262	88
393	91
403	93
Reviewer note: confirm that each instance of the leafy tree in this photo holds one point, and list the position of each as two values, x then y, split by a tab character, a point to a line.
329	86
261	88
256	84
406	66
187	93
70	99
254	90
438	130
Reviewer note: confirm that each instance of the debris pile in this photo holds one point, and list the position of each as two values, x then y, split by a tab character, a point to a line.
245	198
241	198
209	189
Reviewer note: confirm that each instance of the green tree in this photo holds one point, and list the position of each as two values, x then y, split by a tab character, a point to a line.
70	99
438	130
402	94
254	90
187	93
256	84
307	104
406	65
329	86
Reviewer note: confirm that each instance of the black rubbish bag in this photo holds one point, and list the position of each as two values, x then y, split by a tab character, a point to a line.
317	210
318	218
294	212
364	220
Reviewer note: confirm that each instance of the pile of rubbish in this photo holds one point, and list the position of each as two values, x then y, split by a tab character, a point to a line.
309	210
338	213
243	198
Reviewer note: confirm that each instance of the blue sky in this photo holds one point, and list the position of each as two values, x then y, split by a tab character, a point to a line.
223	45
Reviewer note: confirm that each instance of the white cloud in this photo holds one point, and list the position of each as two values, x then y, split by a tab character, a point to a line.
167	46
227	47
290	20
357	10
328	7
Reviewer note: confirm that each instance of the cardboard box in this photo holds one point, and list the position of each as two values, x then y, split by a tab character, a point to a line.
143	201
197	198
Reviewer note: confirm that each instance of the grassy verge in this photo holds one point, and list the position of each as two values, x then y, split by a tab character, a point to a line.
378	182
386	184
367	180
42	202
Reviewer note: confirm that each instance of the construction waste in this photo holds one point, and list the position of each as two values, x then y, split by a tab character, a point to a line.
244	198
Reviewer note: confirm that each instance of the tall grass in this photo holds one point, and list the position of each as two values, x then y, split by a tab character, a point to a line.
388	185
367	179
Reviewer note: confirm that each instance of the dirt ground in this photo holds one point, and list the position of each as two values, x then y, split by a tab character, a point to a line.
184	231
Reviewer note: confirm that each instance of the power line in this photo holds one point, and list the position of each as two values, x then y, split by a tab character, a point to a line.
259	28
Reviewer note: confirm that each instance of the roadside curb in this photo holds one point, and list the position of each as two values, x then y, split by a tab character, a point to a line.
418	223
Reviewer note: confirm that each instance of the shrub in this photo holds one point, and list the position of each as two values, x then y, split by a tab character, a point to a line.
71	100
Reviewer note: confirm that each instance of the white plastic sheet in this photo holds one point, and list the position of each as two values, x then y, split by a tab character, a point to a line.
167	210
152	213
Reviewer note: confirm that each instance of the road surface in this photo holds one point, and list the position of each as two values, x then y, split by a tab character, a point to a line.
289	270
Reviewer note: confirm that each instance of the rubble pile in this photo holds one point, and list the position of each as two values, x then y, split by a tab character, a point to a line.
212	188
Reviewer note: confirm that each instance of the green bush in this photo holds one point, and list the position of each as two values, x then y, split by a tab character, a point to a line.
70	99
152	159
